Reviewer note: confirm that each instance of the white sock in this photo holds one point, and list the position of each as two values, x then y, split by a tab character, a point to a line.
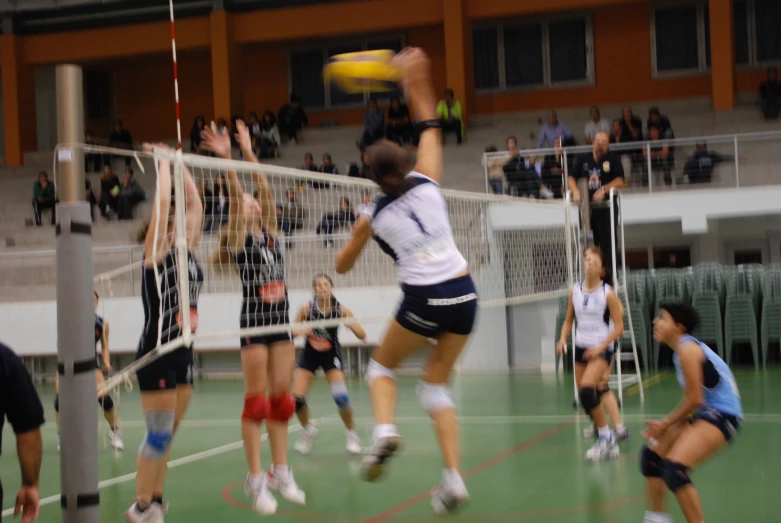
281	471
604	432
657	517
255	479
351	432
381	431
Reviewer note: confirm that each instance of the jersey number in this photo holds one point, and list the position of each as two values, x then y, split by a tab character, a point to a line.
414	218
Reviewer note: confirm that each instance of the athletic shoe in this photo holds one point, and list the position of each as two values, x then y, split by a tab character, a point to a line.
152	514
621	434
262	500
604	448
353	443
383	449
286	486
116	440
589	432
306	440
450	495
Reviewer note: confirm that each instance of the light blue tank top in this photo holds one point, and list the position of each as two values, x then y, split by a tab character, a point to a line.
721	389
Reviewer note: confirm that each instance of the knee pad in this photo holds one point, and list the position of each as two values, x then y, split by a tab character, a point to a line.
159	433
300	403
256	408
106	402
675	475
434	398
340	396
650	463
588	398
281	407
56	403
374	370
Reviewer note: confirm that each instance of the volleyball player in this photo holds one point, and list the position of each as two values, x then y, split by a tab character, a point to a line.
410	223
609	401
600	317
705	422
323	351
248	243
105	401
165	383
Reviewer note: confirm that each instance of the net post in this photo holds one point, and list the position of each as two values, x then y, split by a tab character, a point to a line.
182	260
75	315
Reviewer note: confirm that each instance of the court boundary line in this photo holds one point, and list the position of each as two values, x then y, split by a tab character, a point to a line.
192	458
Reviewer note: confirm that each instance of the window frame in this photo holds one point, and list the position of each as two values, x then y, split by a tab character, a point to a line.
753	61
702	66
544	22
323	46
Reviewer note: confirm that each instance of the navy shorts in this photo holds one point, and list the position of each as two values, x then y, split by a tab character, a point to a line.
430	310
311	360
266	339
728	424
606	355
167	372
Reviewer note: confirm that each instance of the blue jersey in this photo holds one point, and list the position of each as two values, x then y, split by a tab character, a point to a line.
721	390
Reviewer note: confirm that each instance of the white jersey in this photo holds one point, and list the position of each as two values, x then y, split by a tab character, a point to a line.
592	315
414	229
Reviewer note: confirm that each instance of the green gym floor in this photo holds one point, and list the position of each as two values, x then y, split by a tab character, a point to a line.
522	461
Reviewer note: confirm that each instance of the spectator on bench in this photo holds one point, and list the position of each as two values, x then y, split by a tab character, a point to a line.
335	220
661	157
44	197
595	124
269	136
553	129
110	189
120	138
130	195
770	94
290	217
449	109
291	119
553	171
699	167
399	127
373	124
495	168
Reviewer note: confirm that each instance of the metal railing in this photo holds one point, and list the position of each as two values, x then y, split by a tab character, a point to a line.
747	159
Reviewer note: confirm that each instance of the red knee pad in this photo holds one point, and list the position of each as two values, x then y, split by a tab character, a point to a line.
282	407
256	408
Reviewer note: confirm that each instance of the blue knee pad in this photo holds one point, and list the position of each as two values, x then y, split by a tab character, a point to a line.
339	393
650	463
159	433
588	398
675	475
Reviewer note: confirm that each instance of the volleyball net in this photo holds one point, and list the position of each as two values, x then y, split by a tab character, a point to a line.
512	260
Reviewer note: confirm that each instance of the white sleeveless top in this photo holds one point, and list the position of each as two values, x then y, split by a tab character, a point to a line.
592	315
414	229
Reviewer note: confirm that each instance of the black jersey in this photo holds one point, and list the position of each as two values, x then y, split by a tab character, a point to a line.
262	271
324	338
169	324
98	330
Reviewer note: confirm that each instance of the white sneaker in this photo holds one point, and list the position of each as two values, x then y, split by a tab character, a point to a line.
116	440
449	496
353	443
604	448
262	501
306	440
589	432
286	486
383	449
153	514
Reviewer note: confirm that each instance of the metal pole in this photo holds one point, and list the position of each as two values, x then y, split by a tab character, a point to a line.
736	151
75	314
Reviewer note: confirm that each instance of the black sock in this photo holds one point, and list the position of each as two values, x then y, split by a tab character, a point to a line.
157	499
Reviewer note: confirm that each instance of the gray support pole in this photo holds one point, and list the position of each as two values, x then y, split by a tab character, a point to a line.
75	313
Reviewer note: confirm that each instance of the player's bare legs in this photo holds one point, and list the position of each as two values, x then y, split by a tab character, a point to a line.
335	379
184	394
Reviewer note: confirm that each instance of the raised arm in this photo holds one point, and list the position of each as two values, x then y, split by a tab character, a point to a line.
265	194
362	231
156	235
194	209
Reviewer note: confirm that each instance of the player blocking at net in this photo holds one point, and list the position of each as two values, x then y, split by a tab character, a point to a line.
410	222
323	351
166	383
248	244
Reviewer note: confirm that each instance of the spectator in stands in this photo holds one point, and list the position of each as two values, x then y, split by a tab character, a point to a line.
595	124
90	197
366	204
20	404
553	171
110	189
362	171
373	124
603	170
130	195
661	157
292	119
494	165
328	166
291	217
619	136
699	167
337	220
195	136
269	136
660	121
551	130
521	172
121	138
399	126
450	111
631	126
44	197
770	95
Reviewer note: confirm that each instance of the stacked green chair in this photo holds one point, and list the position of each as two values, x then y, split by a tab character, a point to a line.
770	323
634	306
740	318
669	285
708	290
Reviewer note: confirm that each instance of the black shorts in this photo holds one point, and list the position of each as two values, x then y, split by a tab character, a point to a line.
266	339
728	424
311	360
606	355
167	372
430	310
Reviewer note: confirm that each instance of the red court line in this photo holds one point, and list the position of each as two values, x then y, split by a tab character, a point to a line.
492	462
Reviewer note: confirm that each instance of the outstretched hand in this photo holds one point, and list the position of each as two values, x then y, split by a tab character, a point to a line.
242	136
217	143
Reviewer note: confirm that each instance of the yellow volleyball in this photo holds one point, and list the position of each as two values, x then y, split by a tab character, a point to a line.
363	71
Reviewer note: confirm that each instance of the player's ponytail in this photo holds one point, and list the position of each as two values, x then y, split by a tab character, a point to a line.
388	167
221	257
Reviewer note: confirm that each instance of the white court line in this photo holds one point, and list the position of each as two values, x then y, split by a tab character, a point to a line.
176	463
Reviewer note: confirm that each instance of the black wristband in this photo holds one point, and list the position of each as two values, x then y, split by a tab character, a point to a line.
429	124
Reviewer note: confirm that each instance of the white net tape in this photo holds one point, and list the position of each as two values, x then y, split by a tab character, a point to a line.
313	215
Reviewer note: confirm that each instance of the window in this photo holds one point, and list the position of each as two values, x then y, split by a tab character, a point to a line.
306	73
637	259
533	53
97	94
680	38
672	257
748	256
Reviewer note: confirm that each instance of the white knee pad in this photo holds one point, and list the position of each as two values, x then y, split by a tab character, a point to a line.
374	370
434	398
